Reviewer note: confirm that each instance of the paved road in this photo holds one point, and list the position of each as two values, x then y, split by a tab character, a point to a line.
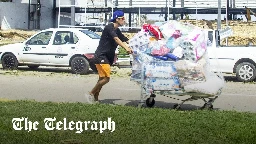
61	86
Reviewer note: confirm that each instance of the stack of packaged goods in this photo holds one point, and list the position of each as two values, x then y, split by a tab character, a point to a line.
174	56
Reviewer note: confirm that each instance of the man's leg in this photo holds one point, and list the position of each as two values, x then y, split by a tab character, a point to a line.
96	95
104	77
96	90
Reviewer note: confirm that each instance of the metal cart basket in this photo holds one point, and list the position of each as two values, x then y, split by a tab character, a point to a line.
173	60
153	72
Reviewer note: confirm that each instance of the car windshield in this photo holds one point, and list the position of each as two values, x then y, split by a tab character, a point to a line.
91	34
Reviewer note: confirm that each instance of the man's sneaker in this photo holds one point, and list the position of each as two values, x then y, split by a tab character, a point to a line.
90	98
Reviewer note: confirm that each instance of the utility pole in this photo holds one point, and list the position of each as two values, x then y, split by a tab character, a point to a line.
219	23
73	13
182	5
38	9
165	18
173	5
29	16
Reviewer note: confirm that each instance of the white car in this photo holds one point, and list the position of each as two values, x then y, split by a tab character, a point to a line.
70	47
238	60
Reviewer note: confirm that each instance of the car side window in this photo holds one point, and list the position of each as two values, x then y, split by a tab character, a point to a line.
65	37
75	38
42	38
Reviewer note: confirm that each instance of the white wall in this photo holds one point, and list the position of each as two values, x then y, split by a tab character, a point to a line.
13	15
17	12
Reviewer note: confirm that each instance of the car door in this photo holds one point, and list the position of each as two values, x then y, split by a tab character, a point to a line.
63	46
221	58
35	49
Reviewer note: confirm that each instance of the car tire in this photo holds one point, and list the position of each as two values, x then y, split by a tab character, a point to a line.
79	65
33	66
245	72
9	62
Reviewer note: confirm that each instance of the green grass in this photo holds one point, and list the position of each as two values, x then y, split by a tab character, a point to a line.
132	125
123	56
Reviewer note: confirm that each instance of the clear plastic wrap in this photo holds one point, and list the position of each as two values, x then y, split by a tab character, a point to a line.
179	61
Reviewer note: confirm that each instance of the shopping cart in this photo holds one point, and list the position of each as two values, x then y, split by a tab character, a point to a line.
173	61
154	71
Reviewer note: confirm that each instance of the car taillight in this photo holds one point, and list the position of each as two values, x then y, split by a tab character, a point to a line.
89	56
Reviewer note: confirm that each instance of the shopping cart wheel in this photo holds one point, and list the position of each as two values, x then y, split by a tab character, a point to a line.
149	102
153	95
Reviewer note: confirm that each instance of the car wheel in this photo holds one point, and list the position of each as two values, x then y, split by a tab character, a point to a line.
245	72
33	66
10	62
79	65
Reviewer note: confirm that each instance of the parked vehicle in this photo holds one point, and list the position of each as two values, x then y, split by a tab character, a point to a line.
60	47
238	60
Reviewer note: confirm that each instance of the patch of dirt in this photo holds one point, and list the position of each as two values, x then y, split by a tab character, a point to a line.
243	32
13	36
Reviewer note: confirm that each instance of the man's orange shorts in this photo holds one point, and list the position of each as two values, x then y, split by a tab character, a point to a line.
103	70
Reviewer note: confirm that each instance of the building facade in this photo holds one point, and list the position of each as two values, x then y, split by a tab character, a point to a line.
42	14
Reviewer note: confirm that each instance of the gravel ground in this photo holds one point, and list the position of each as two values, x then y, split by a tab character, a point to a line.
59	85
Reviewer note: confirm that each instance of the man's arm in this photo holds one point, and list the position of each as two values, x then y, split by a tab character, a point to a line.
119	42
111	31
122	37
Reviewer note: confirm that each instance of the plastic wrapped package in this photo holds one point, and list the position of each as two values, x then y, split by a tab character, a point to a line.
194	46
145	58
170	83
160	70
186	28
172	43
168	29
177	34
161	76
161	57
175	29
177	61
154	30
136	68
178	52
212	82
139	42
190	72
158	48
211	86
172	57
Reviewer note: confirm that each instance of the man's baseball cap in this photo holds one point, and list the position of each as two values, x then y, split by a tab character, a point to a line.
117	14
